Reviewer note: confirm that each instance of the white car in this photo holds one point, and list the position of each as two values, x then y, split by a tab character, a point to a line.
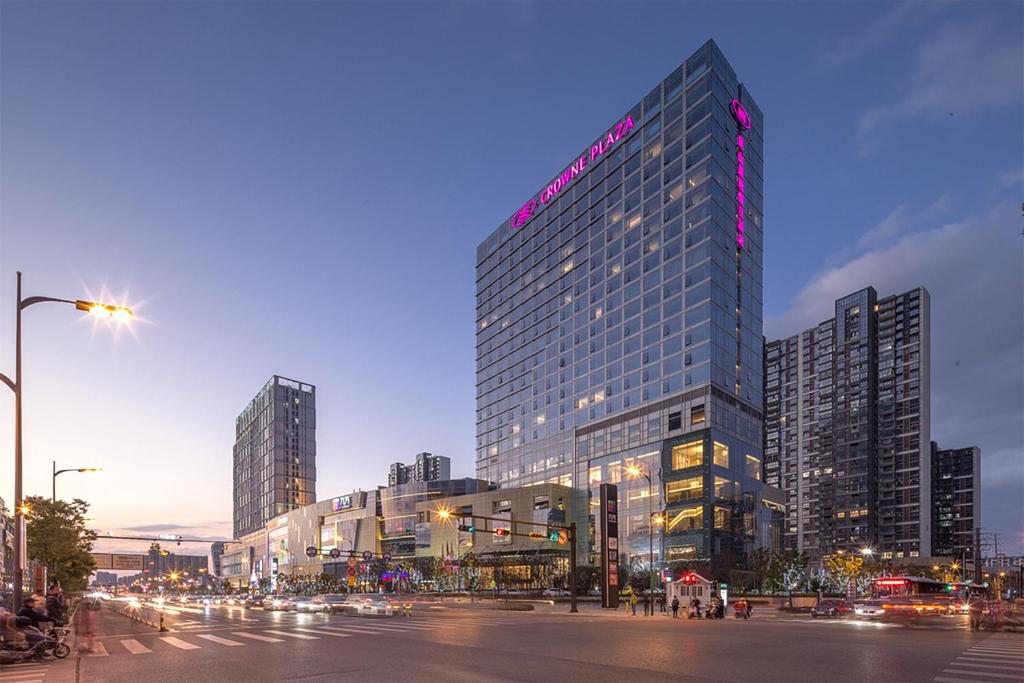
868	608
370	606
555	593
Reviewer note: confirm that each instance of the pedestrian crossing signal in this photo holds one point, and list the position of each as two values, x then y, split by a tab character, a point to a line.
554	535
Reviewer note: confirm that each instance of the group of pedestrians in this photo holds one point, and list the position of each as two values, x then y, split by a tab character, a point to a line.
715	607
38	613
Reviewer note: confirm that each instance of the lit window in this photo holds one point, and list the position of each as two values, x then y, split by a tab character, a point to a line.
723	518
753	467
721	454
687	519
687	455
686	489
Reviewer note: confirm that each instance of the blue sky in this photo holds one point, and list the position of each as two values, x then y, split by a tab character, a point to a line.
299	188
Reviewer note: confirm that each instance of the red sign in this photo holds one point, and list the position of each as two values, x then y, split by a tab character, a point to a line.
890	582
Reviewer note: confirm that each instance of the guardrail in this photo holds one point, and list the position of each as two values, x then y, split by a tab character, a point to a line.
136	611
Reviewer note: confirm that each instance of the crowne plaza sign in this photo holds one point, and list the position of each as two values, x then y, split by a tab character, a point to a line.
578	165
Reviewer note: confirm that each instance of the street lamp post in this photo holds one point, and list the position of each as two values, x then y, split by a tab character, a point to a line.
71	469
16	385
635	471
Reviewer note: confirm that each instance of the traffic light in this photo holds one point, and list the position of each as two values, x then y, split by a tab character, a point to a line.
689	579
563	537
467	527
501	532
553	535
537	536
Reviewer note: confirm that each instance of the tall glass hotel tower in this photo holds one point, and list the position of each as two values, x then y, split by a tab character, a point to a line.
619	323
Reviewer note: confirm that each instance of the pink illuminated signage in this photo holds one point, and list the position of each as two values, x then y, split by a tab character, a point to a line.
743	123
565	178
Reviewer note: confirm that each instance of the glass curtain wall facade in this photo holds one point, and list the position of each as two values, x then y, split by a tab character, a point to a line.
274	454
619	314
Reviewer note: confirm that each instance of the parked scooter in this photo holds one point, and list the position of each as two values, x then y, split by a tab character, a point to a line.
12	652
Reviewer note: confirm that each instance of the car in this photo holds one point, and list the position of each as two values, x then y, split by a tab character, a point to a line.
278	602
332	602
253	601
555	592
868	608
199	600
304	603
370	605
832	608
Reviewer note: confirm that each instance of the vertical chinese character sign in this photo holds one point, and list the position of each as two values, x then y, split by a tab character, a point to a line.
609	521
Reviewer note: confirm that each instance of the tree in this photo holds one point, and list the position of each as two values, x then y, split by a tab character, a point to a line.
845	568
57	537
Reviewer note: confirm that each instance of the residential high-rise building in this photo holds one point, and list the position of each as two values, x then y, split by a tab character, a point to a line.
426	467
274	454
956	500
848	427
619	319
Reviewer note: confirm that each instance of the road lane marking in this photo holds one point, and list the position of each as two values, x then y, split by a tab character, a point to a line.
266	639
34	674
322	632
1016	677
387	627
179	643
292	635
218	639
1015	667
357	629
98	650
943	679
134	646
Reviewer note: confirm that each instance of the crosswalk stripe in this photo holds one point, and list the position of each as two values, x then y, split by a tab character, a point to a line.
989	655
944	679
322	632
33	675
355	629
179	643
1003	648
218	639
134	646
292	635
254	636
386	627
98	650
1015	667
1016	677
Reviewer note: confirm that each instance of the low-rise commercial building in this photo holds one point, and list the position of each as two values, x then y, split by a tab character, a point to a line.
504	558
398	505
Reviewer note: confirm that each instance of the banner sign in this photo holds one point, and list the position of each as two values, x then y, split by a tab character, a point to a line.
609	520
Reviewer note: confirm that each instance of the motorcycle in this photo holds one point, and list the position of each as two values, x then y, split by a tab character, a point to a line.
14	652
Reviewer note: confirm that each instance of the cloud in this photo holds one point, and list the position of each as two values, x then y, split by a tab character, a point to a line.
959	69
973	271
896	222
1012	178
878	33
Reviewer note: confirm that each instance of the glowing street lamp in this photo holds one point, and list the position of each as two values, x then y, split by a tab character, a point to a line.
17	386
635	472
72	469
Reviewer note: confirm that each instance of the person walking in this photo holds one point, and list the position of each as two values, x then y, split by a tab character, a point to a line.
675	608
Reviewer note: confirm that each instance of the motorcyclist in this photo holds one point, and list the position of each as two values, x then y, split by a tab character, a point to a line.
33	628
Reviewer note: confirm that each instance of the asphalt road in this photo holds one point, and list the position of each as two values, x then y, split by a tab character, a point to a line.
221	644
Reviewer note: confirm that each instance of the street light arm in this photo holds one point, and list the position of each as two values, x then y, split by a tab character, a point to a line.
25	303
9	382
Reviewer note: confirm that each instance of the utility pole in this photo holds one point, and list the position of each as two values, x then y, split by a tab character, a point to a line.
977	554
